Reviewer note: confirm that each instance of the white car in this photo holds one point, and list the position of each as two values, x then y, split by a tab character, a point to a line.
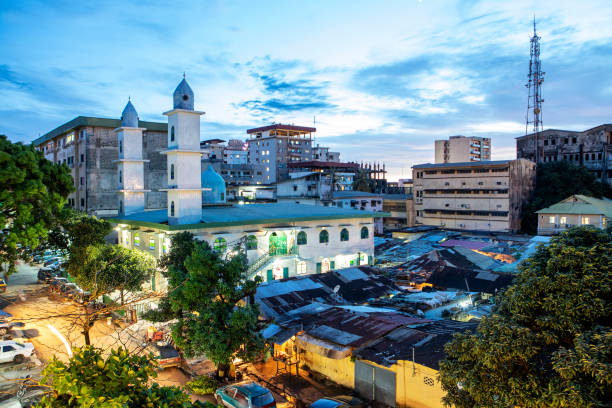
14	351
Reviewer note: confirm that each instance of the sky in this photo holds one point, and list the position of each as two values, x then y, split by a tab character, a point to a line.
380	80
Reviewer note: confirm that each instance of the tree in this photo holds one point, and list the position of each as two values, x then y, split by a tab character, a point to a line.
548	343
363	182
32	199
217	321
557	181
120	380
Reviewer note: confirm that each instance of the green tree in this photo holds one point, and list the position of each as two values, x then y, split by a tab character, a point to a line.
557	181
363	182
120	380
32	198
549	341
217	320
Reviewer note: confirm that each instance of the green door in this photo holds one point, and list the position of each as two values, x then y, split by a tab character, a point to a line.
332	265
278	244
318	267
285	273
270	275
153	282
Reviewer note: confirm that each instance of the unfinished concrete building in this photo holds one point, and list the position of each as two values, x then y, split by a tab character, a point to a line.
589	148
89	147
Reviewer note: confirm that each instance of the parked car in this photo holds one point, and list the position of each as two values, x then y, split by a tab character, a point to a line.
341	401
46	274
52	260
67	288
2	285
165	355
79	295
56	282
6	326
245	395
14	351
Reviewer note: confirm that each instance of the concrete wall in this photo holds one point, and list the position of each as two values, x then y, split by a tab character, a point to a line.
549	224
462	149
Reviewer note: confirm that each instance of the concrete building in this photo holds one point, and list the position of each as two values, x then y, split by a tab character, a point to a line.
459	149
342	173
401	208
310	188
280	240
573	211
272	147
89	146
479	196
361	201
236	152
323	154
589	148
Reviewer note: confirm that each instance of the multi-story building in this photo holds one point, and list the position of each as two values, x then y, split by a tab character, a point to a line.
363	201
272	148
89	146
573	211
590	148
236	152
323	154
342	173
479	196
459	149
401	210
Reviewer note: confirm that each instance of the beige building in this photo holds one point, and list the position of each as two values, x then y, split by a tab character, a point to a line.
573	211
459	149
478	196
401	208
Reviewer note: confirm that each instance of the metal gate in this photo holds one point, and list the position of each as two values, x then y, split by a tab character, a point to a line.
375	383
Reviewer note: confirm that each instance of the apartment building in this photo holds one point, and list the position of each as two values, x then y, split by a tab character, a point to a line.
89	147
589	148
478	196
458	149
323	154
272	148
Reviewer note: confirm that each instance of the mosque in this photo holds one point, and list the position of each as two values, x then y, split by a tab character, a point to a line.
280	239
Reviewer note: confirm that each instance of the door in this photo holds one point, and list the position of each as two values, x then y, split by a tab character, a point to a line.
278	244
375	383
269	275
285	273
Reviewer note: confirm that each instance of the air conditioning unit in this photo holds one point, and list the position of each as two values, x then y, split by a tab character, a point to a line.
461	225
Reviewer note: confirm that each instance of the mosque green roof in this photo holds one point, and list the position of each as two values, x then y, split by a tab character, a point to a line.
246	214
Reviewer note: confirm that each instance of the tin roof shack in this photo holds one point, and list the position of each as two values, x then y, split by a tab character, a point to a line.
351	286
431	304
406	361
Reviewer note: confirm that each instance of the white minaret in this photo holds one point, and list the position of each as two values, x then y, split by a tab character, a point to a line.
184	165
130	165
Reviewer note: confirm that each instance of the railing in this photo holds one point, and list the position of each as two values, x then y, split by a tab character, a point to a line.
267	256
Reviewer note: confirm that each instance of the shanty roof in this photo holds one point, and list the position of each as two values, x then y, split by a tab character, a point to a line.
465	243
246	214
427	340
580	204
340	287
354	194
322	164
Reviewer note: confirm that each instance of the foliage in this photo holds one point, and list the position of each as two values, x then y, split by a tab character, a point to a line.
202	385
81	231
106	268
219	323
32	199
163	313
363	182
549	340
120	380
557	181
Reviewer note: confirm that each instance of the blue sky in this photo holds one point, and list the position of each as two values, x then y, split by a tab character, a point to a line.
384	79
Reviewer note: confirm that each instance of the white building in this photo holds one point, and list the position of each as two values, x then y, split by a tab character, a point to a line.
280	240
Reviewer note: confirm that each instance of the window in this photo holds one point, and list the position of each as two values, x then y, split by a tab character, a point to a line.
82	202
251	242
563	220
120	177
172	134
121	146
301	268
152	244
551	219
220	245
365	233
81	180
172	172
121	206
324	237
545	142
585	220
573	140
344	235
172	209
165	245
302	239
136	239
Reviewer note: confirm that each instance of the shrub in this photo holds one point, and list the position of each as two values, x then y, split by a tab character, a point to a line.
202	385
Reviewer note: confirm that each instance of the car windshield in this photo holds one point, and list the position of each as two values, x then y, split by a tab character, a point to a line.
263	399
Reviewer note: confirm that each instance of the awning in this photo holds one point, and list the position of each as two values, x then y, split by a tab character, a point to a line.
322	347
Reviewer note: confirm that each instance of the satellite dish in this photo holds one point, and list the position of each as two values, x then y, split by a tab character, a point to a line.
336	288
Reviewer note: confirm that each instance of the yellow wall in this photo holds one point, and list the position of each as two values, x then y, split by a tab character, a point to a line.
339	371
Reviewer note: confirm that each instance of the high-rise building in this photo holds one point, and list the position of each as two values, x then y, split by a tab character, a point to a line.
459	149
272	148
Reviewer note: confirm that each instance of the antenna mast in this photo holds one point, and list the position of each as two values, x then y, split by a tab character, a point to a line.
534	93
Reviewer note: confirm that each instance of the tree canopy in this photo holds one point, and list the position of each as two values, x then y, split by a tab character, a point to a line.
119	380
548	343
210	293
557	181
32	198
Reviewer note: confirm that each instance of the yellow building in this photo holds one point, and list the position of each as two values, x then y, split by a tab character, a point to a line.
573	211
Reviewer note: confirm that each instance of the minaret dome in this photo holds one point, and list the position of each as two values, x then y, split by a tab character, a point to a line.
183	96
129	116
